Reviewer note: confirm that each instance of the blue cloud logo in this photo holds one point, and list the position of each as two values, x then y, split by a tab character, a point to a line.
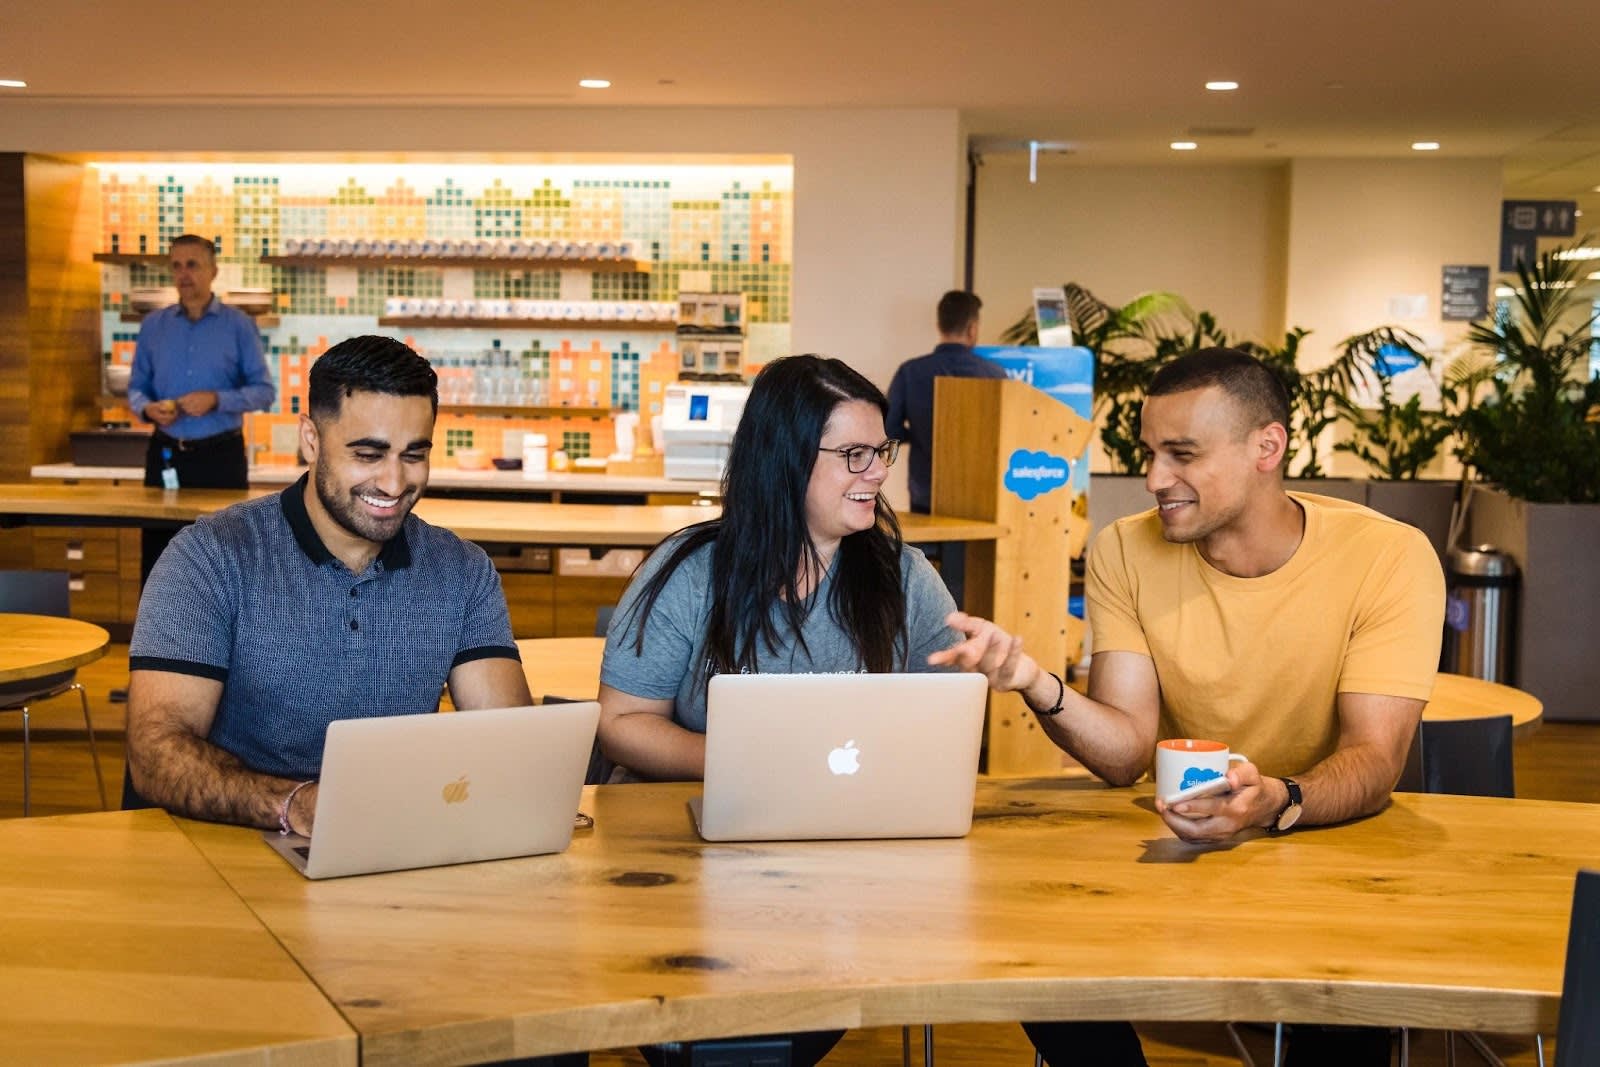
1031	474
1196	775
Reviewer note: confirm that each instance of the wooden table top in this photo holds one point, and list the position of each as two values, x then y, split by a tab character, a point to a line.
120	944
570	667
1064	902
1455	696
476	520
563	666
39	645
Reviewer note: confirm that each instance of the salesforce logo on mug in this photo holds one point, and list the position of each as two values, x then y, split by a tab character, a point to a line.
1032	474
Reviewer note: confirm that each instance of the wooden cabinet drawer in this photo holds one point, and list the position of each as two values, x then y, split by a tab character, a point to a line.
77	550
531	600
580	598
95	596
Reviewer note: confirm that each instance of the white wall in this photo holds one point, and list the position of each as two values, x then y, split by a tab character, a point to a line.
1215	235
1364	231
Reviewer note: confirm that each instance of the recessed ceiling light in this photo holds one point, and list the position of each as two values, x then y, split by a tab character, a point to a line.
1222	87
1184	146
1425	146
594	83
8	83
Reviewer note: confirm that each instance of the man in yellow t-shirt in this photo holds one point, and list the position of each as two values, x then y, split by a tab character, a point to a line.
1301	631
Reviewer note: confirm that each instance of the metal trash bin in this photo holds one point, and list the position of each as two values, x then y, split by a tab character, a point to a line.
1480	616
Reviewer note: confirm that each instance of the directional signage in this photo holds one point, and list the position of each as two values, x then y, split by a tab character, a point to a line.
1464	293
1523	222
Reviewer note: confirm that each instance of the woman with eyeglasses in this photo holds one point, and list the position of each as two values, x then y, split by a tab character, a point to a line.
804	573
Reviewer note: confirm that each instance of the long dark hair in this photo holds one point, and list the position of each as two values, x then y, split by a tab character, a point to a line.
761	539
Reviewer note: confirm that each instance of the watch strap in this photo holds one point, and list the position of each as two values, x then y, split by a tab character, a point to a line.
1293	804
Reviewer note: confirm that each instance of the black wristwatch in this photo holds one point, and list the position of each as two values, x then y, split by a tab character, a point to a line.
1291	811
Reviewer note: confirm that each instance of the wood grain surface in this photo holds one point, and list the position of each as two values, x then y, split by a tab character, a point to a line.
120	944
475	520
563	666
33	646
1064	902
1456	696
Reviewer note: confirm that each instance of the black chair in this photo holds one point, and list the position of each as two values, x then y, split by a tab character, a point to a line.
1468	757
1578	1031
42	593
1472	758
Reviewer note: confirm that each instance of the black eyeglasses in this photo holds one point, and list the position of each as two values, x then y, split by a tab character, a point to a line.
857	458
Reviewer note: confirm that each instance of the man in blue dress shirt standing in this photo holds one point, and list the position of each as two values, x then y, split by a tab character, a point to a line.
197	369
911	392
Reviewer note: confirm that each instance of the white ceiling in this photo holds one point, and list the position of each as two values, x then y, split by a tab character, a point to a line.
1115	81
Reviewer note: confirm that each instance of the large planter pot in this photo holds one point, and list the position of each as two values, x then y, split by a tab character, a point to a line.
1351	489
1425	504
1558	612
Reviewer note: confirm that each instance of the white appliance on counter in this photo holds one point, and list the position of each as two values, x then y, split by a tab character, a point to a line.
697	424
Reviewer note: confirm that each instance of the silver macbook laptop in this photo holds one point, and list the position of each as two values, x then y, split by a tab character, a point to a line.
793	757
427	790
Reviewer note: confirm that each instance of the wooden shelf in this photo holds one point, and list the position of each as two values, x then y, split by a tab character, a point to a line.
154	259
598	266
443	323
263	322
524	411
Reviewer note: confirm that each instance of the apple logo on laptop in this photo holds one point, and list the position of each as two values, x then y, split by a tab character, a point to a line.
456	791
846	760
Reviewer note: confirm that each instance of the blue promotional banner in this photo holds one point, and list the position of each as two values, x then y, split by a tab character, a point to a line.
1067	374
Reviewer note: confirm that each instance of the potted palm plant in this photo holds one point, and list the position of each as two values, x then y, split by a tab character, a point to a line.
1530	434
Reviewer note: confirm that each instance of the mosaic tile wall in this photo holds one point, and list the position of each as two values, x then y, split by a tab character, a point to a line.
724	228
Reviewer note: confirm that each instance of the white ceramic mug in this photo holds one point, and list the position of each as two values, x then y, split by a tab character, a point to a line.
1185	762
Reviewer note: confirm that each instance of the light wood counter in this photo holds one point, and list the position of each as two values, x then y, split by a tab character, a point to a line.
476	520
1456	696
442	477
38	645
1064	902
120	944
563	666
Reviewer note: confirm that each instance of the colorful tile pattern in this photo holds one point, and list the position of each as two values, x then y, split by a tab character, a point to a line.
730	224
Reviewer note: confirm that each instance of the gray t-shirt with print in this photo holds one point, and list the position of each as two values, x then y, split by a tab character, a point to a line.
675	634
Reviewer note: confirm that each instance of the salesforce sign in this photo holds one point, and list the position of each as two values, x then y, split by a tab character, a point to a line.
1033	474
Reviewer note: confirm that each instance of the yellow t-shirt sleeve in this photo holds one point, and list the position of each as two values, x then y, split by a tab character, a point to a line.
1399	623
1108	589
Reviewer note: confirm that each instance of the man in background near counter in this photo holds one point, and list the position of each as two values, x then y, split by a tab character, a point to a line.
197	369
910	416
1299	630
266	621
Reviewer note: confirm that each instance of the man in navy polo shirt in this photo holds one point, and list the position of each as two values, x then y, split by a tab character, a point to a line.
268	620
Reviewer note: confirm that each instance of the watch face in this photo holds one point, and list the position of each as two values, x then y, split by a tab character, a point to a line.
1290	816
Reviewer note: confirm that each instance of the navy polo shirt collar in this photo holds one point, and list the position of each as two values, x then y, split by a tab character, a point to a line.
394	555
